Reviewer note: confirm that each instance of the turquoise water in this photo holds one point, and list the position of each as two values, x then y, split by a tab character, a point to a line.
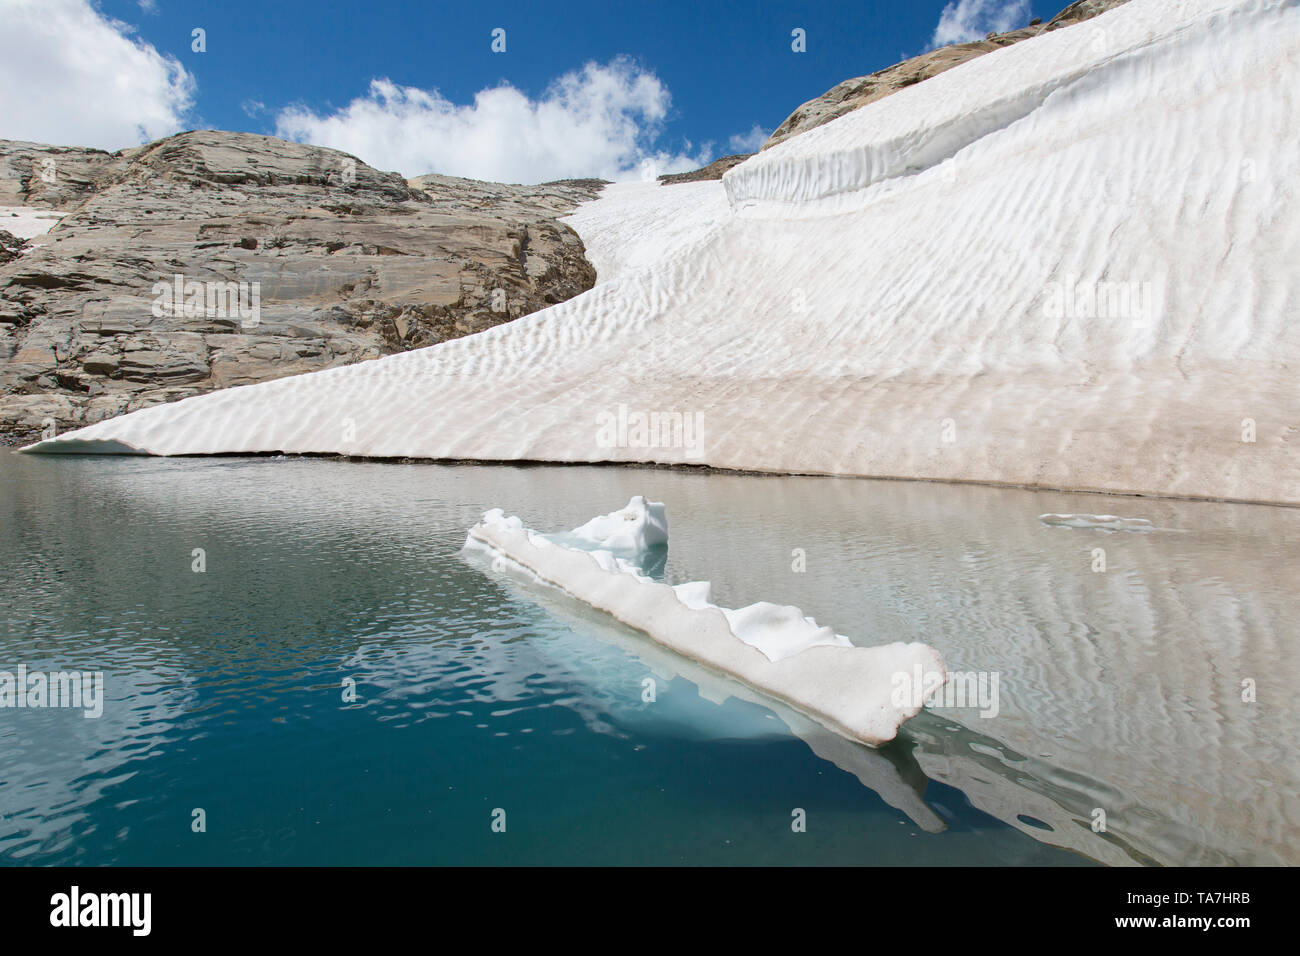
478	692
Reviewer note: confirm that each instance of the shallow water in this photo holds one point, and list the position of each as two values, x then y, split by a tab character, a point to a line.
1119	690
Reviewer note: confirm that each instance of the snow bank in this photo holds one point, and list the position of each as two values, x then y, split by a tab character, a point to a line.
28	222
1069	263
854	691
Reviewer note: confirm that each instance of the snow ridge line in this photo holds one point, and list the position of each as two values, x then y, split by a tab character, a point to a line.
787	174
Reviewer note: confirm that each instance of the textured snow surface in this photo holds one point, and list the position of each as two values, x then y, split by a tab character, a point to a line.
27	222
1070	263
770	648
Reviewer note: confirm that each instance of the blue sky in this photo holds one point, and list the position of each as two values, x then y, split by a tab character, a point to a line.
612	85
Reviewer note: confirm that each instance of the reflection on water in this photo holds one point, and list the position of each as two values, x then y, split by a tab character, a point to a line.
1121	690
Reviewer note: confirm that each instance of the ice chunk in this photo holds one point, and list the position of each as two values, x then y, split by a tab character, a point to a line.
636	527
773	649
1102	522
695	594
497	519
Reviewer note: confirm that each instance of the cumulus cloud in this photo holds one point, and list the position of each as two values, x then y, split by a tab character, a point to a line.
967	20
749	142
71	76
601	121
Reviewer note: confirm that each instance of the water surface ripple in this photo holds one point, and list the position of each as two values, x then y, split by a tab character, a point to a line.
1120	690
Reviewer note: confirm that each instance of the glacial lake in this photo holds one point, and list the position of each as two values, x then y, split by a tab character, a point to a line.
340	684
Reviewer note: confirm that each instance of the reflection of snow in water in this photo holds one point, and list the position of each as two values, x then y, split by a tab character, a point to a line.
1100	522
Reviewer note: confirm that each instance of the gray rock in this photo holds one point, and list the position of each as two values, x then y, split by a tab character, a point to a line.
350	263
10	247
714	170
52	177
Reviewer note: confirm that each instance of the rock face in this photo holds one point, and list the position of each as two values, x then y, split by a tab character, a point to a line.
858	92
53	177
347	263
10	246
714	170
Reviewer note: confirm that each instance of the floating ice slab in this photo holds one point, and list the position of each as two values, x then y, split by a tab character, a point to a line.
1067	264
1103	522
854	691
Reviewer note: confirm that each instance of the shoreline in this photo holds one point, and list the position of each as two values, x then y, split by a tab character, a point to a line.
672	466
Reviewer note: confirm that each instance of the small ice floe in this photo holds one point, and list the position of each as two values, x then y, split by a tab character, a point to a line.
774	649
1099	522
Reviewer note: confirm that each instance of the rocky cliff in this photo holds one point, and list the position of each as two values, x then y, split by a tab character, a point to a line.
348	263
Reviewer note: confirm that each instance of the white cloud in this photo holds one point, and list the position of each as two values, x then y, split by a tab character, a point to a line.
148	6
70	76
749	142
601	121
967	20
